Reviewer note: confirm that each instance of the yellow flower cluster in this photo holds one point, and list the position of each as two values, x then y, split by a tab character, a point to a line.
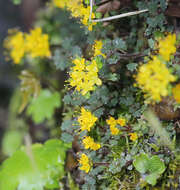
85	163
86	120
97	48
35	44
176	93
84	75
167	46
90	144
133	136
153	78
16	44
78	10
113	122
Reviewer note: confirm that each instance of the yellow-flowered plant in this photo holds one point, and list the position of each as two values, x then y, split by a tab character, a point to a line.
97	48
133	136
84	75
16	45
86	120
167	46
153	78
35	44
78	10
85	163
113	122
89	143
176	93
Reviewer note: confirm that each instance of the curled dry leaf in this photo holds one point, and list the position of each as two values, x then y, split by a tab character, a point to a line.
109	6
165	109
112	5
30	86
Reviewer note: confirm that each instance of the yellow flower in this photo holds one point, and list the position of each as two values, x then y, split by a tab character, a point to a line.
84	15
85	163
176	93
167	46
86	120
121	121
88	142
78	10
84	76
133	136
153	78
37	44
97	48
112	123
16	44
114	130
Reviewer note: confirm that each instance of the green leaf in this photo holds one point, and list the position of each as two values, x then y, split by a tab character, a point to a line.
132	66
66	137
67	125
151	43
43	106
59	60
12	140
35	168
152	166
141	163
156	165
99	62
98	15
152	179
119	44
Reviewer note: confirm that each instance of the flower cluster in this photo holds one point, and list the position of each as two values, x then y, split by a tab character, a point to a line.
35	44
85	163
153	78
78	10
113	122
176	93
90	144
84	75
97	48
133	136
167	46
16	44
86	120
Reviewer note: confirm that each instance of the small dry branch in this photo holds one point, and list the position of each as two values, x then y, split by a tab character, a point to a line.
114	17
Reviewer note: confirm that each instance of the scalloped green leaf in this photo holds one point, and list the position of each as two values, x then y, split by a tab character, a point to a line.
156	165
43	106
12	140
141	163
152	179
153	167
36	168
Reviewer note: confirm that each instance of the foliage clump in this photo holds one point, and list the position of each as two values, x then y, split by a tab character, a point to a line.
119	76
